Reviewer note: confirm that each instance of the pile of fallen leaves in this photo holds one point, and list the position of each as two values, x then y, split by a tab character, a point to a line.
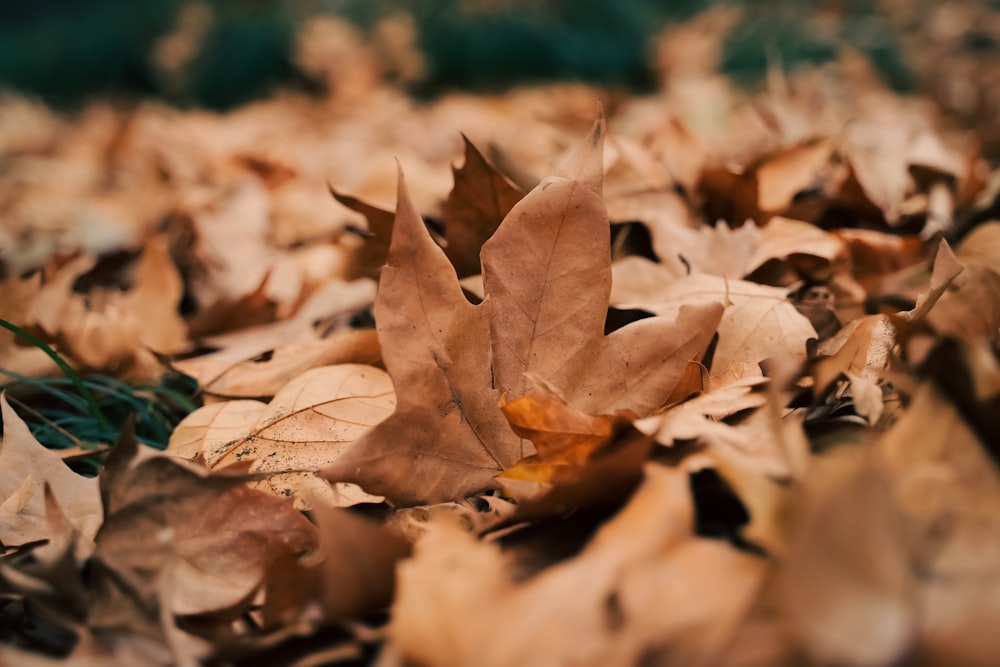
720	390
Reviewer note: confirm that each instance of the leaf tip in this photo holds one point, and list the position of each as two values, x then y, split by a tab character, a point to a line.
600	125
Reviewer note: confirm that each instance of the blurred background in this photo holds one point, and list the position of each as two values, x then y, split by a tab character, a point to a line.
222	53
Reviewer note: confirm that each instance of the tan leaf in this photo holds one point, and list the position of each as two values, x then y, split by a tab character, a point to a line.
367	258
27	468
447	438
307	426
154	300
846	583
358	571
970	308
759	322
812	251
230	367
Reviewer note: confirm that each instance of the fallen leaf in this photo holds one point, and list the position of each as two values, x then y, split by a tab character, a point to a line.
229	370
582	460
861	610
154	300
970	308
27	469
759	322
367	257
476	205
358	571
187	542
447	438
548	287
307	425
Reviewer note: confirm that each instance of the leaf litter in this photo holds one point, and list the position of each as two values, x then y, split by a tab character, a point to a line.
670	392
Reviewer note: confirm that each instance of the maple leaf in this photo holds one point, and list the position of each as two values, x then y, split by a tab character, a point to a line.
447	437
547	276
476	205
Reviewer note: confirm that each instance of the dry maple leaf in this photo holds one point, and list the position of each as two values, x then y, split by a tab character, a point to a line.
476	205
547	277
447	438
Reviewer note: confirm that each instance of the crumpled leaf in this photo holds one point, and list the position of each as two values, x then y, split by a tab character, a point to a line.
582	460
186	542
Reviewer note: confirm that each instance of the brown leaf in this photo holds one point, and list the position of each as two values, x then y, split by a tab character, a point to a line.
548	287
845	582
16	299
27	468
970	308
447	438
477	204
861	348
188	542
234	368
942	476
451	361
582	461
358	572
812	252
154	300
641	584
368	257
767	187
